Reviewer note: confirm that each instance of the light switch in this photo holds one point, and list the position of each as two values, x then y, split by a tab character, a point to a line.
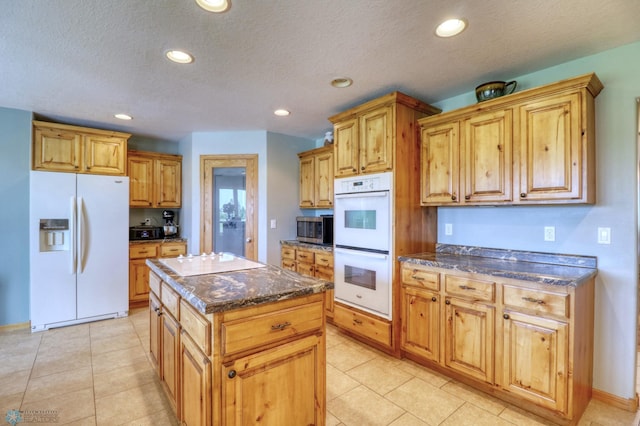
273	224
448	229
604	235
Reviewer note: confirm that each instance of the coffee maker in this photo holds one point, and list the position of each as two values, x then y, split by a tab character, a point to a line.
170	228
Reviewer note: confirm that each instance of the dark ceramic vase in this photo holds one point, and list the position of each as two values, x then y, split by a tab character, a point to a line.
494	89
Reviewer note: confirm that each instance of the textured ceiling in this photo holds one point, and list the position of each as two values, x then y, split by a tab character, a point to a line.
81	61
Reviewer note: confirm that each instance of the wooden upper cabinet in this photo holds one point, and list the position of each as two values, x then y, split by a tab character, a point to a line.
531	147
366	135
66	148
316	178
155	179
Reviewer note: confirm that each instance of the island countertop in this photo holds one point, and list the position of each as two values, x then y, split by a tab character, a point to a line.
544	268
225	291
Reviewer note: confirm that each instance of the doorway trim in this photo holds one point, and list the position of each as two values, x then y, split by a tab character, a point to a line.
250	163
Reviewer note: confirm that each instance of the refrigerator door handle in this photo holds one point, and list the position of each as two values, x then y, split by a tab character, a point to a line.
72	227
81	234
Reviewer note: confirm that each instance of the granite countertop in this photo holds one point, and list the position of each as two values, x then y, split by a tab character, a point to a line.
321	247
544	268
232	290
159	240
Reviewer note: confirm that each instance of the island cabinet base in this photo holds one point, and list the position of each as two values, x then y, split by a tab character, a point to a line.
263	364
528	343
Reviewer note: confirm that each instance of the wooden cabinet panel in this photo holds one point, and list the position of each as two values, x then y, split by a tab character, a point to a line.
420	277
155	179
170	359
421	322
155	330
169	182
265	386
475	289
316	178
289	264
138	281
66	148
376	140
170	300
303	255
346	148
288	252
539	302
140	170
439	159
198	328
173	249
307	181
469	338
143	251
535	359
195	384
369	326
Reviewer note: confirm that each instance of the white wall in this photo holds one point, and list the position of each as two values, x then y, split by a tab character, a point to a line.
576	226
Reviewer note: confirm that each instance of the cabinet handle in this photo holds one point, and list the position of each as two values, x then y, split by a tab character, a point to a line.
453	197
231	374
532	300
357	321
467	197
447	302
523	195
465	287
362	168
281	326
505	316
417	278
434	299
143	252
303	256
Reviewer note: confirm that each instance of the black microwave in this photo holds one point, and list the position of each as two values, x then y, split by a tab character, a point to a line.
315	229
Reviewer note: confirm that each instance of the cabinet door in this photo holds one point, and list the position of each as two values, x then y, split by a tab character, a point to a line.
376	140
439	156
307	172
280	386
105	155
421	323
56	149
140	170
486	157
323	187
536	359
469	338
138	281
346	148
195	384
170	358
168	183
551	138
155	330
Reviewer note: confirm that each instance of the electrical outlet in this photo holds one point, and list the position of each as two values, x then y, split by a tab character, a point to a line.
549	233
604	235
448	229
273	224
147	221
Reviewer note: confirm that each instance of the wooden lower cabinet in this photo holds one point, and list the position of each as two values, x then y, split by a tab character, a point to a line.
530	344
263	364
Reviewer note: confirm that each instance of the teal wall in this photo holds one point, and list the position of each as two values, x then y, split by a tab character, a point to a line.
576	226
15	143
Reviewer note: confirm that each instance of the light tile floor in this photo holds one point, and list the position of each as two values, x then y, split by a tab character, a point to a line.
99	374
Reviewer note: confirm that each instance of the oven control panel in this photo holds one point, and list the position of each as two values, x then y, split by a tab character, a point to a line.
368	183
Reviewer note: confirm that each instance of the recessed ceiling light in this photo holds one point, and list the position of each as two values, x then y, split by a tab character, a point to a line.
123	116
341	82
281	112
451	27
217	6
179	56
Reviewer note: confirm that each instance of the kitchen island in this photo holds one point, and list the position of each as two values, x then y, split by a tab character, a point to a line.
516	324
240	347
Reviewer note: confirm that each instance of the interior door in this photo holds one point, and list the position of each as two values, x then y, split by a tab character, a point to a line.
229	200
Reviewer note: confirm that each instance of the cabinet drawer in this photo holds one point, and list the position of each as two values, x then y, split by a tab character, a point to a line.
143	251
535	300
420	277
171	300
468	288
173	250
364	325
154	283
304	256
198	328
246	333
324	259
288	253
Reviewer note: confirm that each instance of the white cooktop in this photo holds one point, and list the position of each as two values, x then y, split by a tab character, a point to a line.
213	263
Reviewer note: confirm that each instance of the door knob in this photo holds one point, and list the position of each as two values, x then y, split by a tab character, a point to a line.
248	239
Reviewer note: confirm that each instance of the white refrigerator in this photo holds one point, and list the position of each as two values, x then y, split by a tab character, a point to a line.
79	248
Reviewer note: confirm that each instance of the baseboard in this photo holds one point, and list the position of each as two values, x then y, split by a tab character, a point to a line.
13	327
630	404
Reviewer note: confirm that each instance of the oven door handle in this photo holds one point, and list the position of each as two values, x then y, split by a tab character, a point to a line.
348	252
364	194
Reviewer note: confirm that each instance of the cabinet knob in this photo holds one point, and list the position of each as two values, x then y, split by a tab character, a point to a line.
523	195
447	302
362	168
467	197
505	316
231	374
354	169
249	239
453	197
434	299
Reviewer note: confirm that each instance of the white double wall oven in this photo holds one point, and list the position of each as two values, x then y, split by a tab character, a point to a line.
363	257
